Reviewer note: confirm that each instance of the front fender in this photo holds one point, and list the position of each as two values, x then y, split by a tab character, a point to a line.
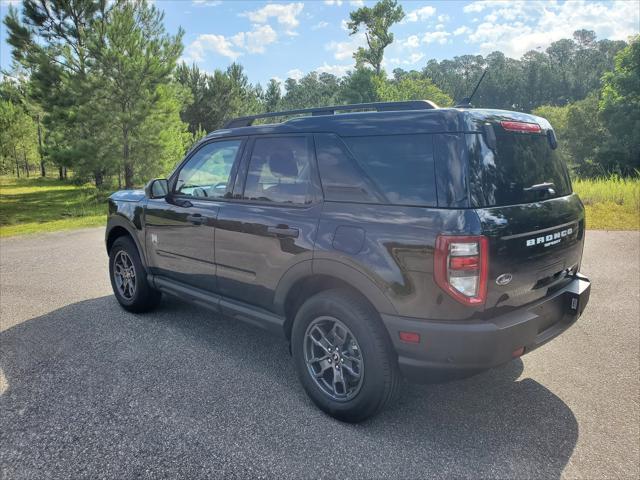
127	216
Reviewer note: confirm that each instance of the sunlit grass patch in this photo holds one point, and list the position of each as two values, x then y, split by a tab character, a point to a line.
53	226
31	205
611	203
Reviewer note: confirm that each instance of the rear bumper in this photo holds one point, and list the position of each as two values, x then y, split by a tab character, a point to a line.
458	349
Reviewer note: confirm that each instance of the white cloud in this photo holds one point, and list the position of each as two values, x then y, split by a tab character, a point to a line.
338	70
6	3
256	40
439	36
414	58
286	14
319	25
444	18
341	50
338	3
474	7
345	50
420	14
461	30
344	25
520	26
412	42
206	3
208	42
296	74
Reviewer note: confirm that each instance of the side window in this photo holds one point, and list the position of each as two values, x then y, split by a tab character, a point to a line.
206	174
279	170
342	179
401	166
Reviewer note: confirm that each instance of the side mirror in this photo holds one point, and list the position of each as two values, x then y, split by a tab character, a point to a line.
158	188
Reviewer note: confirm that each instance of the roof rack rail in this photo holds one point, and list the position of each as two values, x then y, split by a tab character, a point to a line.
377	106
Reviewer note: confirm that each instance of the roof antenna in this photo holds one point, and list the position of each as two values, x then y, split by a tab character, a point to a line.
466	102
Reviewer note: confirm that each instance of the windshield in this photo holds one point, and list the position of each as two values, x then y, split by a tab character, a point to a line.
523	168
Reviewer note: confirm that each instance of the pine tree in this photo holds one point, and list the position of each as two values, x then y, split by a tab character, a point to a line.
134	62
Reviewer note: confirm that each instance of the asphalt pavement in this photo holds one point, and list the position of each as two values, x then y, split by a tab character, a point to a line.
90	391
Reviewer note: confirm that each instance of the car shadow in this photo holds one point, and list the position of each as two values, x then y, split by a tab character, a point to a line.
90	390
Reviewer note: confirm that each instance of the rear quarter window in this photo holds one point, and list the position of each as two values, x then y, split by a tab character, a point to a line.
388	169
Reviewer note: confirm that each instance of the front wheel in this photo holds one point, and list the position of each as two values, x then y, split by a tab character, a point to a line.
343	356
129	279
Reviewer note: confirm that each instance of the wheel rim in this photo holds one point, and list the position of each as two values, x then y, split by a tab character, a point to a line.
333	358
124	273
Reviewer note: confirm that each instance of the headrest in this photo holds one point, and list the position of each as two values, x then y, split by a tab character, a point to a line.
282	164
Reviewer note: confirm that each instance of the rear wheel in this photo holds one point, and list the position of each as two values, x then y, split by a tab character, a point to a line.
129	279
343	356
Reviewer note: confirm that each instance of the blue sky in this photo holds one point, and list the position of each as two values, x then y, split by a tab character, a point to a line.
280	39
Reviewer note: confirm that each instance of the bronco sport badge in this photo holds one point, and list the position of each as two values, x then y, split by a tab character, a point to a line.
551	239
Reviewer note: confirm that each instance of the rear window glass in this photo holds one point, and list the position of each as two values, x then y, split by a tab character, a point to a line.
521	169
342	179
400	166
279	170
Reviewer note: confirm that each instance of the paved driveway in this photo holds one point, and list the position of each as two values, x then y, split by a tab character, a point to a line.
88	390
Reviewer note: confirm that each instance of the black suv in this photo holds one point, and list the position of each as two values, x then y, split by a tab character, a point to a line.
397	238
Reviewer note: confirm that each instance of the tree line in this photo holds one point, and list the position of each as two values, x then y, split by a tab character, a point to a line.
96	87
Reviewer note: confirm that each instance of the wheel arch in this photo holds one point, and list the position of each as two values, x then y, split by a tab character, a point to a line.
118	227
300	284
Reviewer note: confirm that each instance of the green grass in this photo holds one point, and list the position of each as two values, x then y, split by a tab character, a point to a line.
33	205
36	205
611	203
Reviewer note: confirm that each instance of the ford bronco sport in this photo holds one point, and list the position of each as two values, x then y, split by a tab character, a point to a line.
401	239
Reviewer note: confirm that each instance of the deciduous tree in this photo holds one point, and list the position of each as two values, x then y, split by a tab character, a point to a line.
620	108
376	23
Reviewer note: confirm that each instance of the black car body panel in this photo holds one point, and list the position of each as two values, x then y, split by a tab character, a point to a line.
393	246
458	349
248	256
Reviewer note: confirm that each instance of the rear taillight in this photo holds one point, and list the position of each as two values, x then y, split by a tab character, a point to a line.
461	267
523	127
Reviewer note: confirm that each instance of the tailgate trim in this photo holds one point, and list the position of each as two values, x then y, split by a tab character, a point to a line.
533	232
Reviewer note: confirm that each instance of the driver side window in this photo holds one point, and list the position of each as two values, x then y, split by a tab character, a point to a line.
206	174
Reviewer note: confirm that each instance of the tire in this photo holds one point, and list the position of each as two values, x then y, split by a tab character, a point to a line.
134	292
359	397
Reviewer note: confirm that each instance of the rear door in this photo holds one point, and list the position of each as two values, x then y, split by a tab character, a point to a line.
271	223
522	193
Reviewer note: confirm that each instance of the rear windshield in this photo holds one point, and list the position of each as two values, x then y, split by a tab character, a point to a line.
523	168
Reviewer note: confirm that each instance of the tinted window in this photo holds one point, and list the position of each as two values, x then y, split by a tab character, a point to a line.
342	178
401	166
207	172
504	176
279	170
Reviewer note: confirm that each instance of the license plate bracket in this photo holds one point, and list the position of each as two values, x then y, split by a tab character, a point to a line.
577	296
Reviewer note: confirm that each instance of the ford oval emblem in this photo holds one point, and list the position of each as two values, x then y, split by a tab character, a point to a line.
504	279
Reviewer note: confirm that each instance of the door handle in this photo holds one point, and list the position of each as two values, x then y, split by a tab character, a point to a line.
283	231
196	219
